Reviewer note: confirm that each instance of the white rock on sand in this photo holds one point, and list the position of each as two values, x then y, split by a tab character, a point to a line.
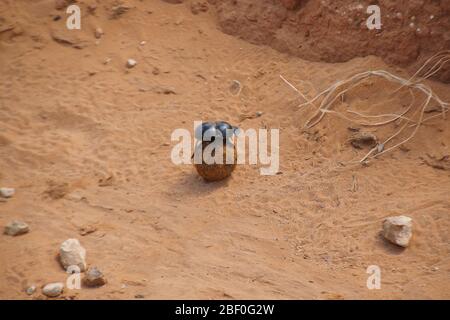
53	289
398	230
72	253
15	228
7	192
131	63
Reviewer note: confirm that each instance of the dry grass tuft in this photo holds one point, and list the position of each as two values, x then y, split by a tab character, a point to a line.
413	116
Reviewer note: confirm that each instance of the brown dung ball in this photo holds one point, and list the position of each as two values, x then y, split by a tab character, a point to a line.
217	171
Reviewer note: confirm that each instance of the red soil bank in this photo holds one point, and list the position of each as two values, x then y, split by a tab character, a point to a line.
336	31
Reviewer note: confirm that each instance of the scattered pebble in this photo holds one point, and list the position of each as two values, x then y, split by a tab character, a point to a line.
131	63
139	296
398	230
30	290
7	192
94	278
99	33
380	147
143	43
84	231
71	253
16	228
362	139
53	289
259	113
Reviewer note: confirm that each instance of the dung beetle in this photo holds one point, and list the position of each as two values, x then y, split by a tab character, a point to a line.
208	131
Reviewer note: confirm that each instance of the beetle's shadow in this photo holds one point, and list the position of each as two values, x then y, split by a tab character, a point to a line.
191	184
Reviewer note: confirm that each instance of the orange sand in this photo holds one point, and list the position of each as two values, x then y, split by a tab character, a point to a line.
88	144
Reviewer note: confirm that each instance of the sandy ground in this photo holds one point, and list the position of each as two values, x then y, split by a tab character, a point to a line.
88	144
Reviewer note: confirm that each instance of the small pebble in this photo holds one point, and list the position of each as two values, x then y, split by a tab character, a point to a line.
94	278
53	289
131	63
7	192
88	229
99	33
30	290
15	228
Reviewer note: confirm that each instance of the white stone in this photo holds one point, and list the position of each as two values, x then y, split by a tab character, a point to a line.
131	63
7	192
15	228
53	289
398	230
72	253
